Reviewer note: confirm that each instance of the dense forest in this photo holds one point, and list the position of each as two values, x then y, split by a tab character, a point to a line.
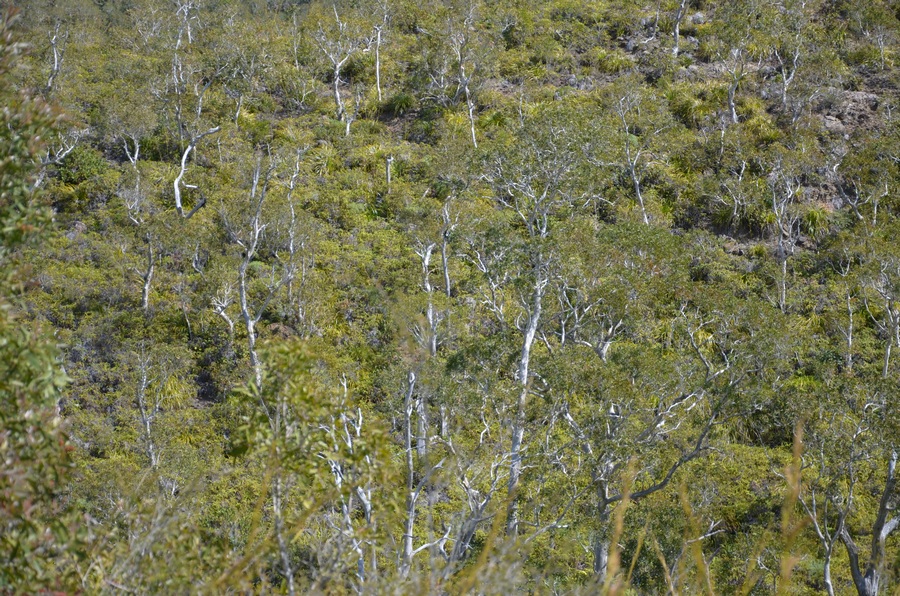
449	296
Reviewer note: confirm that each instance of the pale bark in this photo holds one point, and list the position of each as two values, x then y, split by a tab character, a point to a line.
147	274
378	62
278	513
446	229
518	431
147	411
178	180
676	33
338	51
411	493
57	49
868	580
632	156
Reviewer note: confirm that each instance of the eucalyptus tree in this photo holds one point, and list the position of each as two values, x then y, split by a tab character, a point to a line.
639	424
876	23
57	49
246	228
740	28
799	46
455	57
36	537
681	7
462	41
339	39
851	468
535	183
381	14
641	134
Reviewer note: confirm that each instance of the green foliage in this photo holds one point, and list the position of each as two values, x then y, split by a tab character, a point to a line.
37	541
399	104
703	244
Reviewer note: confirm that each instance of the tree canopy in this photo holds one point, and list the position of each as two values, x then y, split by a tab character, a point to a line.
449	296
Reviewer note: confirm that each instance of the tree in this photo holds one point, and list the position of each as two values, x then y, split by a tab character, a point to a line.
247	232
36	540
338	41
850	446
638	129
534	182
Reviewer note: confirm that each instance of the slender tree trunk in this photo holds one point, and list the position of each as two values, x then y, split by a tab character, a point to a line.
732	91
277	510
339	103
782	298
445	247
249	322
676	34
636	182
406	556
57	58
378	62
829	585
868	580
184	158
849	335
470	105
147	275
146	415
518	431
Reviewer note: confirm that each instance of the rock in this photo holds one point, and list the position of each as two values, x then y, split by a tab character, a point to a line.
698	18
853	109
78	228
834	125
862	99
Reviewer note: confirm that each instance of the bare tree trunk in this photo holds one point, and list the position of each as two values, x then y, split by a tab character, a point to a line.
518	431
147	413
633	159
679	15
430	315
601	554
411	493
338	102
470	105
782	291
737	73
388	163
378	62
184	158
445	246
893	335
788	71
849	335
868	580
56	65
147	274
637	192
826	571
249	323
277	510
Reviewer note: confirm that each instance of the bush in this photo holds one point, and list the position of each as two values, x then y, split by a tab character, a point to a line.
398	104
81	165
